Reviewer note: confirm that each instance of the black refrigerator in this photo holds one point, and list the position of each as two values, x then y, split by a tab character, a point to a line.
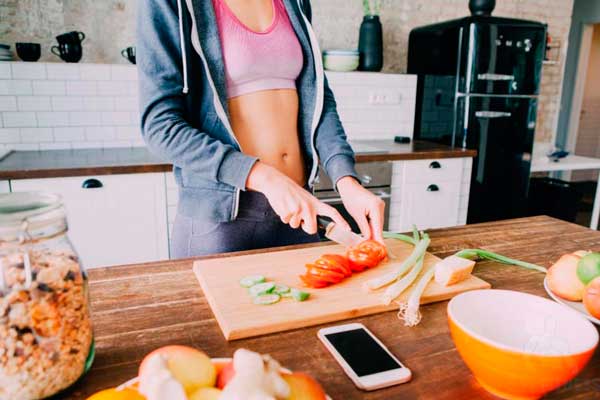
478	84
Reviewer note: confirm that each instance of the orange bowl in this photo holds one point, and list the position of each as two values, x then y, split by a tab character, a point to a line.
519	346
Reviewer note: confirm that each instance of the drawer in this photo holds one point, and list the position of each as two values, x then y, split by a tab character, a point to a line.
429	205
433	170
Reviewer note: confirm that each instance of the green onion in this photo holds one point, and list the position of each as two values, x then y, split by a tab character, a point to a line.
401	285
474	254
409	311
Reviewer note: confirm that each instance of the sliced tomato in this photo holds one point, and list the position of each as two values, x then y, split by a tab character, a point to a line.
313	282
334	262
367	254
377	249
324	274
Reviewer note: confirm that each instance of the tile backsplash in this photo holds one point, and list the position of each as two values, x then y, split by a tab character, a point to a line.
64	106
70	106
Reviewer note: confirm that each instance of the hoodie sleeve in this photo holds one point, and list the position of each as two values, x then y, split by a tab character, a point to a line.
164	127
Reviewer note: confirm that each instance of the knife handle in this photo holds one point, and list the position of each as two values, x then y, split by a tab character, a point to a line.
323	221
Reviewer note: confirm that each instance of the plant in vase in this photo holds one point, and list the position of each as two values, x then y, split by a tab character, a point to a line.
370	40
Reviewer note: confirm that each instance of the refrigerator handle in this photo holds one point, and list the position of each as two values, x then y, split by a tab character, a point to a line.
492	114
495	77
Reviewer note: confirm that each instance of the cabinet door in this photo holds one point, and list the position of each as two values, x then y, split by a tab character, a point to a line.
430	205
113	219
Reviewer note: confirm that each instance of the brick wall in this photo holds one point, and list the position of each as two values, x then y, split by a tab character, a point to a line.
336	22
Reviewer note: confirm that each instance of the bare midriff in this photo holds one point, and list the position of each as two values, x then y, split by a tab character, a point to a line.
266	125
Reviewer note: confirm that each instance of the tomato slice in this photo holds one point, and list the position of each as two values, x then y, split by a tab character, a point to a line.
324	274
313	282
367	254
334	262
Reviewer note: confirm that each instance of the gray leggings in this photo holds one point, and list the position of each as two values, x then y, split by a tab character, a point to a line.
256	227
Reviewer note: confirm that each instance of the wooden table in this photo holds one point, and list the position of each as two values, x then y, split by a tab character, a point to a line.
138	308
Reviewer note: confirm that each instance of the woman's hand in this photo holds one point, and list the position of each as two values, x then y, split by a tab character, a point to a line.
366	208
294	205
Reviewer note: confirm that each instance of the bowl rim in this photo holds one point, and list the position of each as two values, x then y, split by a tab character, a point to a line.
512	349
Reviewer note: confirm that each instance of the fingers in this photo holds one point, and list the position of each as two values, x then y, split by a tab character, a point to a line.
309	220
332	213
363	225
295	221
376	216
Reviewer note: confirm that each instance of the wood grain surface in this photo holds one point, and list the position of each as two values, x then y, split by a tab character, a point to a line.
239	318
137	308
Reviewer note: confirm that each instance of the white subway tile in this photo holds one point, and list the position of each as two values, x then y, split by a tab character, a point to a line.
25	146
97	133
116	143
10	135
18	119
34	103
128	132
65	72
5	70
123	73
84	118
36	135
25	70
98	103
49	88
95	72
126	103
67	103
55	146
69	134
81	88
50	119
134	118
138	142
15	87
110	88
116	118
8	103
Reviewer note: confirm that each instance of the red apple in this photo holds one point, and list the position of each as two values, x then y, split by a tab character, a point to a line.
591	297
563	280
303	387
225	375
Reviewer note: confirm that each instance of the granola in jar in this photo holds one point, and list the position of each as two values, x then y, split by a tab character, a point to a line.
45	330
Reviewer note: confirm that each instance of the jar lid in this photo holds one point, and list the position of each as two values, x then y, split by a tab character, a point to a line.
341	52
26	212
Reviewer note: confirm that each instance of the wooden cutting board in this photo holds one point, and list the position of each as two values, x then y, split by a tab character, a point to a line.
239	318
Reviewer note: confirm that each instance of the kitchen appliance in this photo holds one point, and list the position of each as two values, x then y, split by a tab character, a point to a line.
375	177
478	84
239	317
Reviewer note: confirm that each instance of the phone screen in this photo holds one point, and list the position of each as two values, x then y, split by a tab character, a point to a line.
364	355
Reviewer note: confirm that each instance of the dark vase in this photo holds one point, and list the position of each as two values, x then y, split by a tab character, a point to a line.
370	44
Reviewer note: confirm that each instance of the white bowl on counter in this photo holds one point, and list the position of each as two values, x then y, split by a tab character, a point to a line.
341	60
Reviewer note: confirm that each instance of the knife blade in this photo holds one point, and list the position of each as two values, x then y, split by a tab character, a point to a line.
339	234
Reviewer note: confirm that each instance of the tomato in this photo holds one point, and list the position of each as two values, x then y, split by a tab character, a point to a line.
313	282
367	254
324	274
334	262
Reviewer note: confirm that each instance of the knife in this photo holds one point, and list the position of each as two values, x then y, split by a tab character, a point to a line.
339	234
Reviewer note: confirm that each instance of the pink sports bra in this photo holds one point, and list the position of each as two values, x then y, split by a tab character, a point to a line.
255	61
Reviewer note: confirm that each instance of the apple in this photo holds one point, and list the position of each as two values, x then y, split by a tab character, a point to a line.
303	387
225	375
114	394
205	393
563	280
591	297
190	367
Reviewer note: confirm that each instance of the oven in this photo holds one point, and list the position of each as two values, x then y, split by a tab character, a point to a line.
376	177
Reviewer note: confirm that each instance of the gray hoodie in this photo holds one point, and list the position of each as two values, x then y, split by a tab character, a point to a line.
184	115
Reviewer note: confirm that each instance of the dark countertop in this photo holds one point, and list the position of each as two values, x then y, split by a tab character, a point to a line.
83	162
138	308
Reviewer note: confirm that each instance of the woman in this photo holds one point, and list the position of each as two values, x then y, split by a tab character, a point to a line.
233	94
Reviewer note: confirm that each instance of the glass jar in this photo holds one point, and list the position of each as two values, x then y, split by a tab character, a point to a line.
46	340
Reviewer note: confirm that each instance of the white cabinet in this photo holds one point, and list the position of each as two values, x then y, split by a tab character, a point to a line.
430	193
4	187
117	219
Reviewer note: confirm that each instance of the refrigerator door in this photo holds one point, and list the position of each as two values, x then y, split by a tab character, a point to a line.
501	129
502	59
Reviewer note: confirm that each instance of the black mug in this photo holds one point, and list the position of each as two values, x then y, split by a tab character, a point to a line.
69	52
73	37
129	53
29	51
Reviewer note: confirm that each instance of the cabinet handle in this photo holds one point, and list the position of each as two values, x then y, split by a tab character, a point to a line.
433	188
435	165
91	183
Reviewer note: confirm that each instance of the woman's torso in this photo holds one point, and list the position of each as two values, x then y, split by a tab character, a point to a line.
262	58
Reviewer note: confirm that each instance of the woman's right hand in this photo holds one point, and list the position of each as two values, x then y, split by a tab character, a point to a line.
294	205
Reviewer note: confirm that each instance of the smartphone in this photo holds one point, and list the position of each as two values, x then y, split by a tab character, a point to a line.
363	357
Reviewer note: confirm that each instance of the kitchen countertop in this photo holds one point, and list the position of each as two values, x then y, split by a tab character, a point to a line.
138	308
84	162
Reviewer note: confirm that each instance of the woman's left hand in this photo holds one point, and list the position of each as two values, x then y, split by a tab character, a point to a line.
366	208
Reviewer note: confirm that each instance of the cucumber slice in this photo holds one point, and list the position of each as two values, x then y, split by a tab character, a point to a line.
299	295
281	289
249	281
261	288
266	299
